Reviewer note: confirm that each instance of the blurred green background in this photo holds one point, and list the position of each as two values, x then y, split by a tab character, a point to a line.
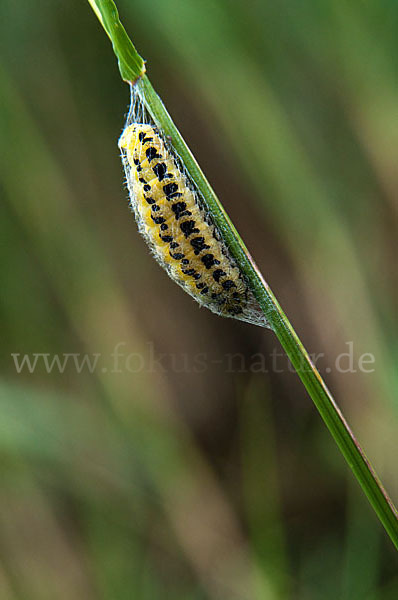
190	463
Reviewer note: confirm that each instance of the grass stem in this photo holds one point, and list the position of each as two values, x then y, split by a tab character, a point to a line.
132	69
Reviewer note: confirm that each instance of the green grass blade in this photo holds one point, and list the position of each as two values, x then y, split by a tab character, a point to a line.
131	64
312	380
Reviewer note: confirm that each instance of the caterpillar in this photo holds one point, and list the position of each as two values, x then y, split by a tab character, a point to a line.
178	228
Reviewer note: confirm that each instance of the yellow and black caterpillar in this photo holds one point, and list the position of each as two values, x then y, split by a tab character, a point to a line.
179	229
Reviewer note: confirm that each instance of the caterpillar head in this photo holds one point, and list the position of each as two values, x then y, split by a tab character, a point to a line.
133	134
